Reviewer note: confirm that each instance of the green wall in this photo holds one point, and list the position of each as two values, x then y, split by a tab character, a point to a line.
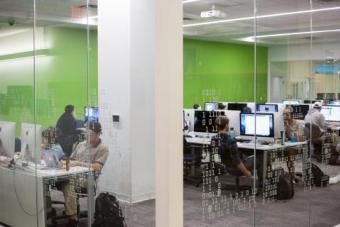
61	79
223	72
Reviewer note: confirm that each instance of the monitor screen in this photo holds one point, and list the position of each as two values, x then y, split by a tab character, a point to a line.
300	111
264	124
91	114
331	113
291	102
237	106
335	102
209	106
31	142
267	107
7	137
205	121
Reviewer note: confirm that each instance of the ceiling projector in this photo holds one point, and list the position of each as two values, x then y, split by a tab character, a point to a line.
213	13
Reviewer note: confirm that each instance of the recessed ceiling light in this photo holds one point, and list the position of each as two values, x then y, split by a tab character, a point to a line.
253	38
261	17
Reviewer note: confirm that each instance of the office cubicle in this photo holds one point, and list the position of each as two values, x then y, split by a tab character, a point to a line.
264	51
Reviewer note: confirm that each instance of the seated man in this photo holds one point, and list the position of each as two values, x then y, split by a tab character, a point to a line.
230	154
294	132
315	117
92	154
51	151
293	128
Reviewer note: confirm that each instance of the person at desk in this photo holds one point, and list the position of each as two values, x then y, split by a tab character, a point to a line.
51	151
293	128
315	117
92	154
231	156
66	126
294	131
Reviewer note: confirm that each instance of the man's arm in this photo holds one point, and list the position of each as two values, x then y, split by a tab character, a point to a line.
244	169
236	157
95	166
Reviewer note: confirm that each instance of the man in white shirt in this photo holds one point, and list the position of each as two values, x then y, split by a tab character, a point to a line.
315	117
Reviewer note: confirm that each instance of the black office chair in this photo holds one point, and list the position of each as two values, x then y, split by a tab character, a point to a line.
314	137
237	174
192	156
81	192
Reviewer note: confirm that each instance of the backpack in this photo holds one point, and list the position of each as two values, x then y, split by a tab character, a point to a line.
108	212
319	178
285	187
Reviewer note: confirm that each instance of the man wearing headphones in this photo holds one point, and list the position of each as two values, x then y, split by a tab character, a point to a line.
91	153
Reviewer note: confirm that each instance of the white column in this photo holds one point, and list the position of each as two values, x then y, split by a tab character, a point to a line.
168	101
140	78
126	88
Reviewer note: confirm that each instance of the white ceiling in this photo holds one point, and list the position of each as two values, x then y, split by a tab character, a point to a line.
73	13
48	12
234	31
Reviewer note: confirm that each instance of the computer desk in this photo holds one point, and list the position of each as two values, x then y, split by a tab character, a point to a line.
23	192
253	146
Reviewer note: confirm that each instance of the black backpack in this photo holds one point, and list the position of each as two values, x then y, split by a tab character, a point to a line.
319	178
285	187
108	212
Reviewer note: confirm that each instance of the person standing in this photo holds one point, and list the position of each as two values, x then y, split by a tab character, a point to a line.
66	127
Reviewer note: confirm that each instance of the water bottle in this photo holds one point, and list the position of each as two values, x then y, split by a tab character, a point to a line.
232	133
283	137
293	138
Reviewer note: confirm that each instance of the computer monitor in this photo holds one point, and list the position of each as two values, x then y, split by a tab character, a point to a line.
234	120
291	102
334	102
331	113
264	126
205	121
210	106
267	108
7	137
188	119
300	111
91	114
31	142
237	106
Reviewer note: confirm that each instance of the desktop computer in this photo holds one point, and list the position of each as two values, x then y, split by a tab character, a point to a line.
210	106
31	142
237	106
188	119
205	121
300	111
91	114
271	108
334	102
7	137
234	120
260	125
331	113
292	101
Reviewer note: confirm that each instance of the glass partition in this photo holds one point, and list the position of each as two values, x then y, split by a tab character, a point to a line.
290	133
218	87
19	191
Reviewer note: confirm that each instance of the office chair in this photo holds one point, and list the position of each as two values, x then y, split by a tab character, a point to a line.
192	155
315	138
81	192
237	174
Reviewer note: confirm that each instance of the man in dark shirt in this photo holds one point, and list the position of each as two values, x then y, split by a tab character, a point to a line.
66	127
231	156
